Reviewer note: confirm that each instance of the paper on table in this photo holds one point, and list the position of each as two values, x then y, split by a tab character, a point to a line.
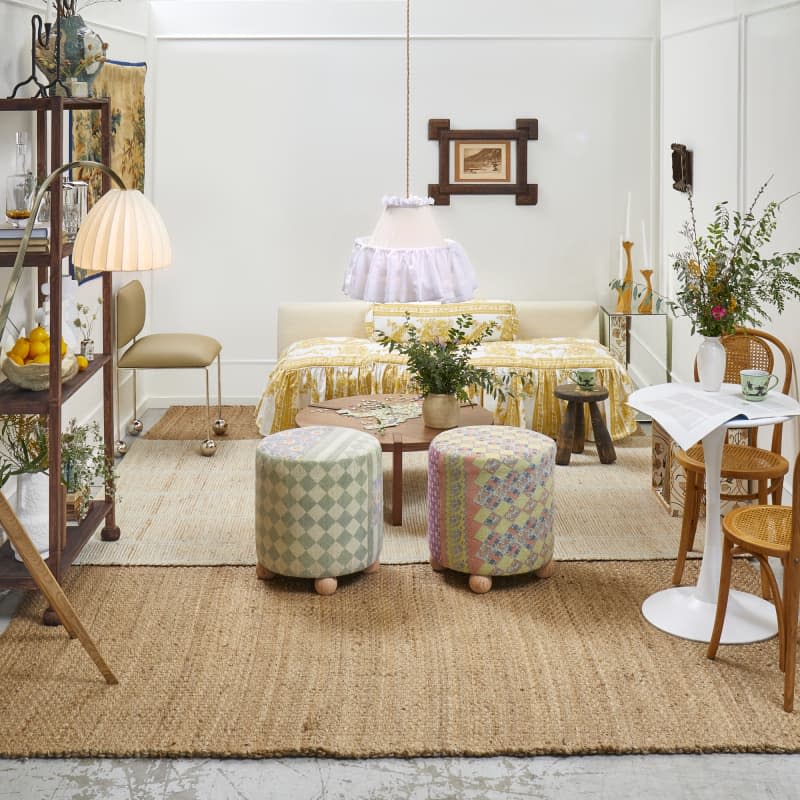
688	413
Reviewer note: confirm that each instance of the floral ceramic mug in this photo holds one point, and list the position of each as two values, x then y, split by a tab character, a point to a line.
756	383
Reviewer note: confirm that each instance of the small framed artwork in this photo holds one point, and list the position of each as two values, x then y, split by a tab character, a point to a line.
483	161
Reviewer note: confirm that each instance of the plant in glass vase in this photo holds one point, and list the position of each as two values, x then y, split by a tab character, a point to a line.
84	322
440	367
725	282
85	466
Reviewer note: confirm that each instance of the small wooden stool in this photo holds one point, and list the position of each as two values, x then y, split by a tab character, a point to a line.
570	436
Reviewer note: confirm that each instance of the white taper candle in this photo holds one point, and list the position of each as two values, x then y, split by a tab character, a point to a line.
628	219
645	251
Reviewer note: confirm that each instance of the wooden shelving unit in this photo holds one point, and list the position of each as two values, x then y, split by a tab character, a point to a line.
65	542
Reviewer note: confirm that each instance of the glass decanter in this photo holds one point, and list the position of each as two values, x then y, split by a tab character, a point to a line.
21	186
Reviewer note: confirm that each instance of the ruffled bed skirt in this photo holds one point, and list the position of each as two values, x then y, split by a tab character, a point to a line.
293	386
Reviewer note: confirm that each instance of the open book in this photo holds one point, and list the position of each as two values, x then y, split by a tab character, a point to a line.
688	413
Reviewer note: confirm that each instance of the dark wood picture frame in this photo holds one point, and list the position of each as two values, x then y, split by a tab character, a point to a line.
482	162
526	194
681	167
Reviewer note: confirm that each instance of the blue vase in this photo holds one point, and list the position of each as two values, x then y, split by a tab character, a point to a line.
82	54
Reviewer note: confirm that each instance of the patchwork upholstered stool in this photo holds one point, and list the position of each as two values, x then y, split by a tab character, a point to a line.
319	504
490	502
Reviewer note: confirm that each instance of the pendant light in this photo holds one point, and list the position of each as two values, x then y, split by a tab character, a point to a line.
406	259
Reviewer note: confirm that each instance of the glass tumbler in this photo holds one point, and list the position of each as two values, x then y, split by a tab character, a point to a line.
20	190
70	211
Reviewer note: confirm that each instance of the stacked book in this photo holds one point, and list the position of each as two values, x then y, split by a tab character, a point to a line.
10	238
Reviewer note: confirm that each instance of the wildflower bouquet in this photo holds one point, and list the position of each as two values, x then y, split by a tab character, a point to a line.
724	280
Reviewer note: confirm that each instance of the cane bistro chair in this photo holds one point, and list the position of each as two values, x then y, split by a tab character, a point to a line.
165	351
765	531
746	348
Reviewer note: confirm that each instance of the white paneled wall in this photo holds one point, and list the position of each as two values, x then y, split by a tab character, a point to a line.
730	78
279	127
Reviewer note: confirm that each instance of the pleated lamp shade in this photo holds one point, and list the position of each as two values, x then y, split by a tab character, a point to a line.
123	232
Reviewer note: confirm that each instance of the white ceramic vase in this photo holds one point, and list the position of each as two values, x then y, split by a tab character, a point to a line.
32	507
711	363
441	411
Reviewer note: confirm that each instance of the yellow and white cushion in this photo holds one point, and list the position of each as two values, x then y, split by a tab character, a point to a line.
435	319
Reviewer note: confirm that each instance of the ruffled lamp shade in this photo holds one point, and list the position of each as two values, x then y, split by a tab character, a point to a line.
407	260
123	232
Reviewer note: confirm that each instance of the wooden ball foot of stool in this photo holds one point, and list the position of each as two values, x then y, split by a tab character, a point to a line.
480	584
262	573
373	567
325	586
436	566
547	570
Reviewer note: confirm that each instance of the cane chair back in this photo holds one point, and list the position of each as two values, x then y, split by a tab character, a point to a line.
746	348
767	531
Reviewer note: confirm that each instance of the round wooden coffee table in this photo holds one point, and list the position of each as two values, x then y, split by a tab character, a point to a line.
410	435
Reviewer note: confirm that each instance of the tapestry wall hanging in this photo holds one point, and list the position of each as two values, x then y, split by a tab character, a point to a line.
123	83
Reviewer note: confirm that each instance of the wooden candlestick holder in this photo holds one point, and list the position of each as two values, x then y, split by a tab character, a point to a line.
625	292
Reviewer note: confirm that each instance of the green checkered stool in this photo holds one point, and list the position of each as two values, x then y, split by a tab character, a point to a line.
319	504
490	502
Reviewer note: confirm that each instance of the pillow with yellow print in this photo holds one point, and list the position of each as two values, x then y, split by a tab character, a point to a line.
435	319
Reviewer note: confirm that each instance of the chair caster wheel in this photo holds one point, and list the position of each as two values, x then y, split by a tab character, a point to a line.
208	447
120	448
135	427
220	427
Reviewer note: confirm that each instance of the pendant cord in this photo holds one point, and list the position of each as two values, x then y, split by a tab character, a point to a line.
408	98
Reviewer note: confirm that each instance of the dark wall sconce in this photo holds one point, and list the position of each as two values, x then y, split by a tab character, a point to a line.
681	167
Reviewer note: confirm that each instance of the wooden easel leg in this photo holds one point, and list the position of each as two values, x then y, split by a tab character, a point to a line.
49	586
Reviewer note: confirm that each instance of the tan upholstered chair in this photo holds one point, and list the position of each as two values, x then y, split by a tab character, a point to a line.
165	351
767	531
747	348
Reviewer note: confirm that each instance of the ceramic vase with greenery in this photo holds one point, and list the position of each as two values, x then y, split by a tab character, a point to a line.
24	454
441	370
725	280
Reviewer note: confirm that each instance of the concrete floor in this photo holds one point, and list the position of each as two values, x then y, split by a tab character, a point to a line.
683	777
603	777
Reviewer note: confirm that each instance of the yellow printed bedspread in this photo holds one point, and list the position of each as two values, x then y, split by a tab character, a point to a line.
314	370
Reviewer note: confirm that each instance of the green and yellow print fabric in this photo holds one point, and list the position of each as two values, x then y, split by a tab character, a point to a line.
314	370
433	320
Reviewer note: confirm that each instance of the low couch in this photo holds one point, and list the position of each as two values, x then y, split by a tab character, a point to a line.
326	351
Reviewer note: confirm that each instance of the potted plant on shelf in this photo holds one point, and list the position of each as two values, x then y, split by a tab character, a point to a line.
725	282
24	453
441	370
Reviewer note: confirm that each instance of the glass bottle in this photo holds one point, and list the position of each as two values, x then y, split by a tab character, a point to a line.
21	186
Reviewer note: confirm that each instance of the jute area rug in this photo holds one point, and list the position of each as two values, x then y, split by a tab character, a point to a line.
189	422
177	508
405	662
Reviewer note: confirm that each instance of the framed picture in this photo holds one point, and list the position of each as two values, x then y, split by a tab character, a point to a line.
483	161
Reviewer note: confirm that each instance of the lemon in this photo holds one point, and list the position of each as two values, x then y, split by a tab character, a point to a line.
36	349
63	348
39	334
21	348
82	362
44	358
12	356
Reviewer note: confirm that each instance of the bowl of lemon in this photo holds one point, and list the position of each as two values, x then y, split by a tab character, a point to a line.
27	363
